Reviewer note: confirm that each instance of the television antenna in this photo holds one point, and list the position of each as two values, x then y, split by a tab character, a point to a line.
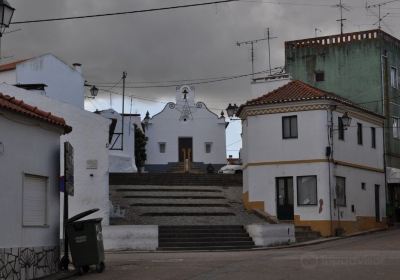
341	7
251	43
380	16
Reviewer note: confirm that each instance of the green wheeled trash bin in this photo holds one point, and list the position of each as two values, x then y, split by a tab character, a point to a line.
86	242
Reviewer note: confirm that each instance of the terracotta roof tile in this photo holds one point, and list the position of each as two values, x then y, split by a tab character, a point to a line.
299	91
18	106
11	65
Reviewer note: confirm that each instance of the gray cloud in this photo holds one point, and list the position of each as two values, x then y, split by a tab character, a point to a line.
179	44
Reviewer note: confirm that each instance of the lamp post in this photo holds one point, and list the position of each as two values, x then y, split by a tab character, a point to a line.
232	110
94	91
6	13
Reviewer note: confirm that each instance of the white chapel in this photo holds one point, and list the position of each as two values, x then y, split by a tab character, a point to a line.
185	131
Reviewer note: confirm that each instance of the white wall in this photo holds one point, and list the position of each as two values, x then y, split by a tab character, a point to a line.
122	160
29	147
261	87
263	143
131	237
271	235
348	150
64	83
9	77
204	127
263	137
89	138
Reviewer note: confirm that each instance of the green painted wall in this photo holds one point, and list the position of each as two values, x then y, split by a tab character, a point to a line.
353	70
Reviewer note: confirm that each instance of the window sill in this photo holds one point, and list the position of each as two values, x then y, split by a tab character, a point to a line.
38	226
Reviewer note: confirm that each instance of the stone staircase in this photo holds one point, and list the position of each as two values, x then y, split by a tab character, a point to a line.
305	233
179	167
180	205
214	237
176	179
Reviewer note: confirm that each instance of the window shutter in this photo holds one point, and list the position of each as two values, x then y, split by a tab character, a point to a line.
34	200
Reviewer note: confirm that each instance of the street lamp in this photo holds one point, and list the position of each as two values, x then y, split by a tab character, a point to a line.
146	119
346	120
94	91
232	110
6	13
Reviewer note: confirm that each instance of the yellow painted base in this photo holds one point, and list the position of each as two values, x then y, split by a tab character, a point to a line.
250	205
327	228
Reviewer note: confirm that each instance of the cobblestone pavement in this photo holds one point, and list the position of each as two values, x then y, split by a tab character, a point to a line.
373	256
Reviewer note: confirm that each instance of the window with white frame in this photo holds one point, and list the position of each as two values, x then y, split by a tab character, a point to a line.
395	127
208	147
162	146
340	191
34	200
307	190
393	77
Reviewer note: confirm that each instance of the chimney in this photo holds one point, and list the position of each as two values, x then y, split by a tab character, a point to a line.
77	67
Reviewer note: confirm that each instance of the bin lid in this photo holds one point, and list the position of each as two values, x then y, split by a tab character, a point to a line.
82	215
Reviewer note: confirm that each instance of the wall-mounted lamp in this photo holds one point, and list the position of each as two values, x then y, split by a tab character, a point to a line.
146	120
346	120
231	110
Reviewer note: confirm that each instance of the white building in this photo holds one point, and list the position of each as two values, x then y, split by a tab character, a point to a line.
89	139
300	163
62	82
261	85
121	143
29	200
185	130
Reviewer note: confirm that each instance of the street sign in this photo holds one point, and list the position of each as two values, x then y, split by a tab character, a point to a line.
69	168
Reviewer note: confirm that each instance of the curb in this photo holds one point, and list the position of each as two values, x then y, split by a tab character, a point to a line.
294	245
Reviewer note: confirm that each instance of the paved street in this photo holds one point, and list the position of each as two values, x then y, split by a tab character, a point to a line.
374	256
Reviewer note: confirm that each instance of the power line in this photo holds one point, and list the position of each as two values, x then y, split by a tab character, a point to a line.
125	13
194	83
278	69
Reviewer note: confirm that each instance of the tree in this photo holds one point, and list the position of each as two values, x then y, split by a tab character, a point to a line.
140	148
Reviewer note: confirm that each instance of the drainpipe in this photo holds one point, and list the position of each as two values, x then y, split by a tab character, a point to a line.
330	142
386	113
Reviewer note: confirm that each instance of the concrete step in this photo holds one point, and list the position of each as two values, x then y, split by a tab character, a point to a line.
175	196
208	248
176	179
305	233
220	239
187	214
204	237
206	244
182	205
203	234
160	190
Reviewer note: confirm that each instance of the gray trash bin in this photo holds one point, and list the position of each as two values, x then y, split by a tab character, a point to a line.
86	242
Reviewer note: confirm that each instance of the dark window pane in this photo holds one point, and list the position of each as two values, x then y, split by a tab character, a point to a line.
293	126
307	190
359	134
289	127
340	191
373	137
341	128
319	76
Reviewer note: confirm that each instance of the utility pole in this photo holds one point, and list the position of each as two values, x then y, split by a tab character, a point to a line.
269	50
124	74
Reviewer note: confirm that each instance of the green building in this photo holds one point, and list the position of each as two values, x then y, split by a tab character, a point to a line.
363	67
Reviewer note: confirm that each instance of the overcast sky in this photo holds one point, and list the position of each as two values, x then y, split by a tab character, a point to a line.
182	44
